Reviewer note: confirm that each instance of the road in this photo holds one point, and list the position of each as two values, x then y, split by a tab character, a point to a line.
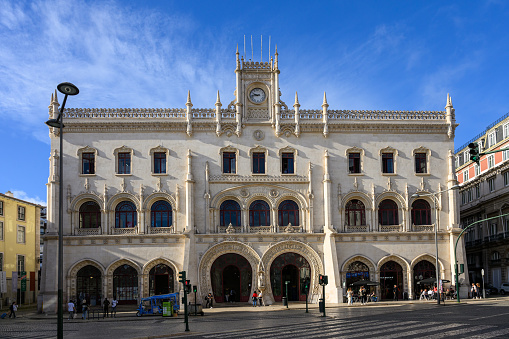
473	319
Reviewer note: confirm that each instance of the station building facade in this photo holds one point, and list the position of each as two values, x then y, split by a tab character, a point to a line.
250	195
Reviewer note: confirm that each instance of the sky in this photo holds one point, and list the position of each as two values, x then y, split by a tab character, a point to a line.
381	55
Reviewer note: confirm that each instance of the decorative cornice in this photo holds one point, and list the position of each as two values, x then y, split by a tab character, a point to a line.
249	179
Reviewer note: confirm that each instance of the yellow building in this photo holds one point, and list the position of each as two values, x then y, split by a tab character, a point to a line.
19	249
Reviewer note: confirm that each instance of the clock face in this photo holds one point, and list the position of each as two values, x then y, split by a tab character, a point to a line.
257	95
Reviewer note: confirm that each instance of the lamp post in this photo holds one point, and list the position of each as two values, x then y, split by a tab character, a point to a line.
434	195
65	88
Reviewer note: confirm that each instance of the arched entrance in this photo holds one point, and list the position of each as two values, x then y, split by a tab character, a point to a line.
391	273
423	270
231	276
161	280
357	271
88	285
291	268
125	284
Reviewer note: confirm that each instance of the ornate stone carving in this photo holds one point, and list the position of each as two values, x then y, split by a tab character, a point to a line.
258	135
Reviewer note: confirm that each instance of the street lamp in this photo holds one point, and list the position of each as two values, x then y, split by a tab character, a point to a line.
434	195
65	88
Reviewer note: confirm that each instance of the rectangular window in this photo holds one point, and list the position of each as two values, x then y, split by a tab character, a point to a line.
506	178
477	191
124	163
491	161
420	163
21	234
466	156
493	229
491	184
1	207
159	162
506	131
465	175
388	162
505	155
88	163
229	162
1	262
259	163
21	213
469	195
463	198
492	139
477	170
354	162
21	263
1	230
287	163
457	161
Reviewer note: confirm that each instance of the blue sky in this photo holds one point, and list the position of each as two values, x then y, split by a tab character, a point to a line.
386	55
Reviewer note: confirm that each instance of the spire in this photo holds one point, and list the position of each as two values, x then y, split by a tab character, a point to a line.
237	55
189	98
449	101
325	99
51	99
296	99
276	60
56	97
218	101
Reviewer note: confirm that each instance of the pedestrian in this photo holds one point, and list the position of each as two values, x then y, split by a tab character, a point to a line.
106	304
260	299
473	291
349	296
71	308
255	297
479	290
114	303
84	309
395	292
210	300
226	294
13	308
362	294
232	296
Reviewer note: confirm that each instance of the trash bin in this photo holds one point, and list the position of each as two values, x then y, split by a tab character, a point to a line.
285	301
321	305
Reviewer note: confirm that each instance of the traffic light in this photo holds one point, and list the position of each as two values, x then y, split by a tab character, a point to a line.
195	289
182	276
306	287
187	286
323	279
474	152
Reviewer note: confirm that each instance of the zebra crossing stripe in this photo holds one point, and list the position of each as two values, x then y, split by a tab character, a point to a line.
492	334
427	329
461	331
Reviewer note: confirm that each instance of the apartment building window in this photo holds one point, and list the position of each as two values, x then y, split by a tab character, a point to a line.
493	229
469	195
287	163
124	163
354	162
506	178
420	163
1	207
21	263
491	161
463	198
465	175
466	157
387	162
258	163
21	213
457	161
477	191
477	170
159	162
88	163
229	165
491	184
492	139
505	155
1	230
506	130
21	234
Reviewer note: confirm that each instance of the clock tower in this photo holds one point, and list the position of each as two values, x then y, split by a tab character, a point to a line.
257	91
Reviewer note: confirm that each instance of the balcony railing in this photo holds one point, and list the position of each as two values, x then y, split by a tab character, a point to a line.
160	230
120	231
423	228
357	228
390	228
88	231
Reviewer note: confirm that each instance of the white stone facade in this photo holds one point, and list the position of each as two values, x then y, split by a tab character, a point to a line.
255	125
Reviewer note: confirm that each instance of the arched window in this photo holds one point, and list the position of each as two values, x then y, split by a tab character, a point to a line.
125	215
388	213
161	214
421	212
259	213
90	215
288	213
355	213
230	213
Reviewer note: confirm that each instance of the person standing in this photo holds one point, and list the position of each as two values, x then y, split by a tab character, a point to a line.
362	294
255	297
260	298
84	309
349	296
70	309
210	300
114	304
395	293
13	308
106	304
473	291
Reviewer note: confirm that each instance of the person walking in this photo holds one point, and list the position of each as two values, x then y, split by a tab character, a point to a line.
479	291
362	294
71	308
84	310
260	299
114	303
395	292
255	298
106	304
473	291
210	300
13	308
349	296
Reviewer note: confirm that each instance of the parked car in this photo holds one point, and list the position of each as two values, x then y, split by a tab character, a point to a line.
504	288
490	289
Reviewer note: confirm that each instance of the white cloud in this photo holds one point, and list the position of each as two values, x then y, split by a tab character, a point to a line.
23	196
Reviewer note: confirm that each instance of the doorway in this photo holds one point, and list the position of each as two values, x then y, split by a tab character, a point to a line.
290	282
231	281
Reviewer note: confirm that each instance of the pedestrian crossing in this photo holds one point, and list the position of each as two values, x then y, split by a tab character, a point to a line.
359	328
